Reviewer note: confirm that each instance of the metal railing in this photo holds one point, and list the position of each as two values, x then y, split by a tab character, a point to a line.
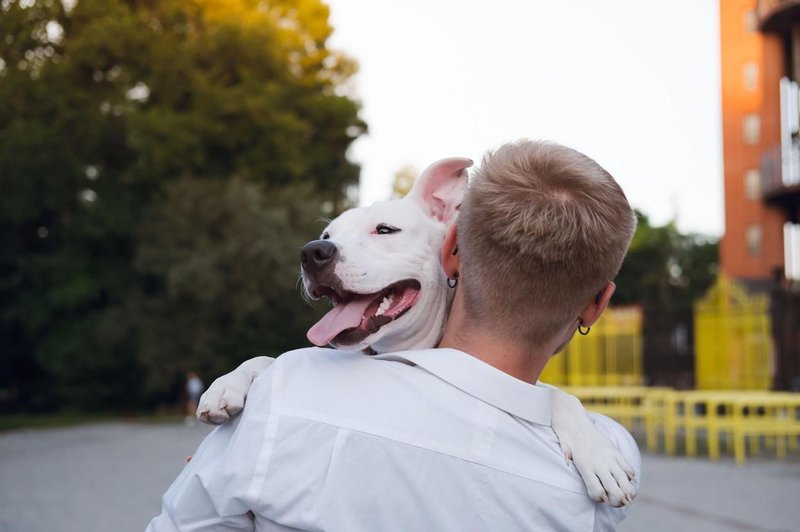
740	423
611	355
733	342
780	168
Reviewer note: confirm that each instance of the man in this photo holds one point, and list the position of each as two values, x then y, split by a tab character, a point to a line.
455	438
194	389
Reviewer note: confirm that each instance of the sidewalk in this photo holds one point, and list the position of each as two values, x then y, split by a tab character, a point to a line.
94	478
110	477
696	495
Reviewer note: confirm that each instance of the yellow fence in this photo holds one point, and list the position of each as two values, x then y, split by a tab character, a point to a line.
610	355
731	410
742	423
733	345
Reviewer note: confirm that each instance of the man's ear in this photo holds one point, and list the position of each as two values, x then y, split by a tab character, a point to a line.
598	303
440	188
449	254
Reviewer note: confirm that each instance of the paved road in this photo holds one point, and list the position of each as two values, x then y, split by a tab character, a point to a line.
110	477
95	478
682	495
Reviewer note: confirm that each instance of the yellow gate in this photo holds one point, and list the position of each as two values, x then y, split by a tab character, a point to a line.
733	345
610	355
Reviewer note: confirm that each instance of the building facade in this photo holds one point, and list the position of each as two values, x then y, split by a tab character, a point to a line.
760	69
751	61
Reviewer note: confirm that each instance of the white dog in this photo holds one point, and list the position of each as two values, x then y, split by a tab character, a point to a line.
379	267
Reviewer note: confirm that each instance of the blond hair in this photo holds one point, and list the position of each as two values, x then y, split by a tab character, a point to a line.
542	229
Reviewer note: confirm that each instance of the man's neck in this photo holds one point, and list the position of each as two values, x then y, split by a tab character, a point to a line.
505	356
518	359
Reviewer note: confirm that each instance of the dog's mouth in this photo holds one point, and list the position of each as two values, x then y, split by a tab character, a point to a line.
356	316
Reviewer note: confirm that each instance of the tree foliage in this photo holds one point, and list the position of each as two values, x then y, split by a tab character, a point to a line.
124	126
221	263
665	272
666	268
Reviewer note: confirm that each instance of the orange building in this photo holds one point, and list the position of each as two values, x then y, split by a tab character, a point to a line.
760	144
760	69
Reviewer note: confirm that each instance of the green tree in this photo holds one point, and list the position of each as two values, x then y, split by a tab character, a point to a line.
221	260
665	272
666	267
107	102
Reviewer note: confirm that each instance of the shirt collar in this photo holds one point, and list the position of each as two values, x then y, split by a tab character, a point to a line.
481	380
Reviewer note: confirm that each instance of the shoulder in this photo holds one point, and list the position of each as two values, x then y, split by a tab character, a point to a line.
317	363
328	383
612	429
316	370
299	358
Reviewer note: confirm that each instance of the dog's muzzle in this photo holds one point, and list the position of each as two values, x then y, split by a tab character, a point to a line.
354	316
318	255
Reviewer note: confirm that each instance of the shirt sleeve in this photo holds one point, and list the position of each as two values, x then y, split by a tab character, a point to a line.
606	517
213	490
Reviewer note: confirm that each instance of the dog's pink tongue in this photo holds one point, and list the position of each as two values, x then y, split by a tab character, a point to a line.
342	316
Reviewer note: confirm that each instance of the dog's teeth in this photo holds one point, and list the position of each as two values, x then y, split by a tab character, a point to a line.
385	304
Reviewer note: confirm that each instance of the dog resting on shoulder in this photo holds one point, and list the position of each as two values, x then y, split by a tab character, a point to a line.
379	266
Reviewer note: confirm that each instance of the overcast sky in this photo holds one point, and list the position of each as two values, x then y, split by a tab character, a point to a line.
634	84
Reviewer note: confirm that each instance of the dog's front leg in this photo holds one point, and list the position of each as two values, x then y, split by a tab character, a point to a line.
606	473
224	399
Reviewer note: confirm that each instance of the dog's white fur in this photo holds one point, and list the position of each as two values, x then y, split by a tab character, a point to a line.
368	262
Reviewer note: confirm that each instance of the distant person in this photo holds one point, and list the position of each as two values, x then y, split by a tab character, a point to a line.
448	439
194	389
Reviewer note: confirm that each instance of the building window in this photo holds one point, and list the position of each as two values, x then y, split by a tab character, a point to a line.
750	20
752	184
751	128
750	71
753	239
791	251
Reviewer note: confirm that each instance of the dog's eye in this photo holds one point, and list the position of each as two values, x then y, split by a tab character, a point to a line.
385	229
325	236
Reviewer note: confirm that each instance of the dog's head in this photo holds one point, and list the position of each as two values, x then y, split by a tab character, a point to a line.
380	267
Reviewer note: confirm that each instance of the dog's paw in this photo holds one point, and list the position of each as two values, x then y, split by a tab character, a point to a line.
607	475
223	400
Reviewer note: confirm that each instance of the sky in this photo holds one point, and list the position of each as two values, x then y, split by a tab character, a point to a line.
634	84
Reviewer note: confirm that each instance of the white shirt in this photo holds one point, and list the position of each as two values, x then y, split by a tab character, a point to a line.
430	440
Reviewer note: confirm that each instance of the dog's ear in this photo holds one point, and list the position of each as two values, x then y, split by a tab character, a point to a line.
440	188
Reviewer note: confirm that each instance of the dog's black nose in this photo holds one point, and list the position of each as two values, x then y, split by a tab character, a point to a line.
317	254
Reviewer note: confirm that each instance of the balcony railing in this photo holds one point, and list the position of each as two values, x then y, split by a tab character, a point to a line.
780	165
777	15
780	169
